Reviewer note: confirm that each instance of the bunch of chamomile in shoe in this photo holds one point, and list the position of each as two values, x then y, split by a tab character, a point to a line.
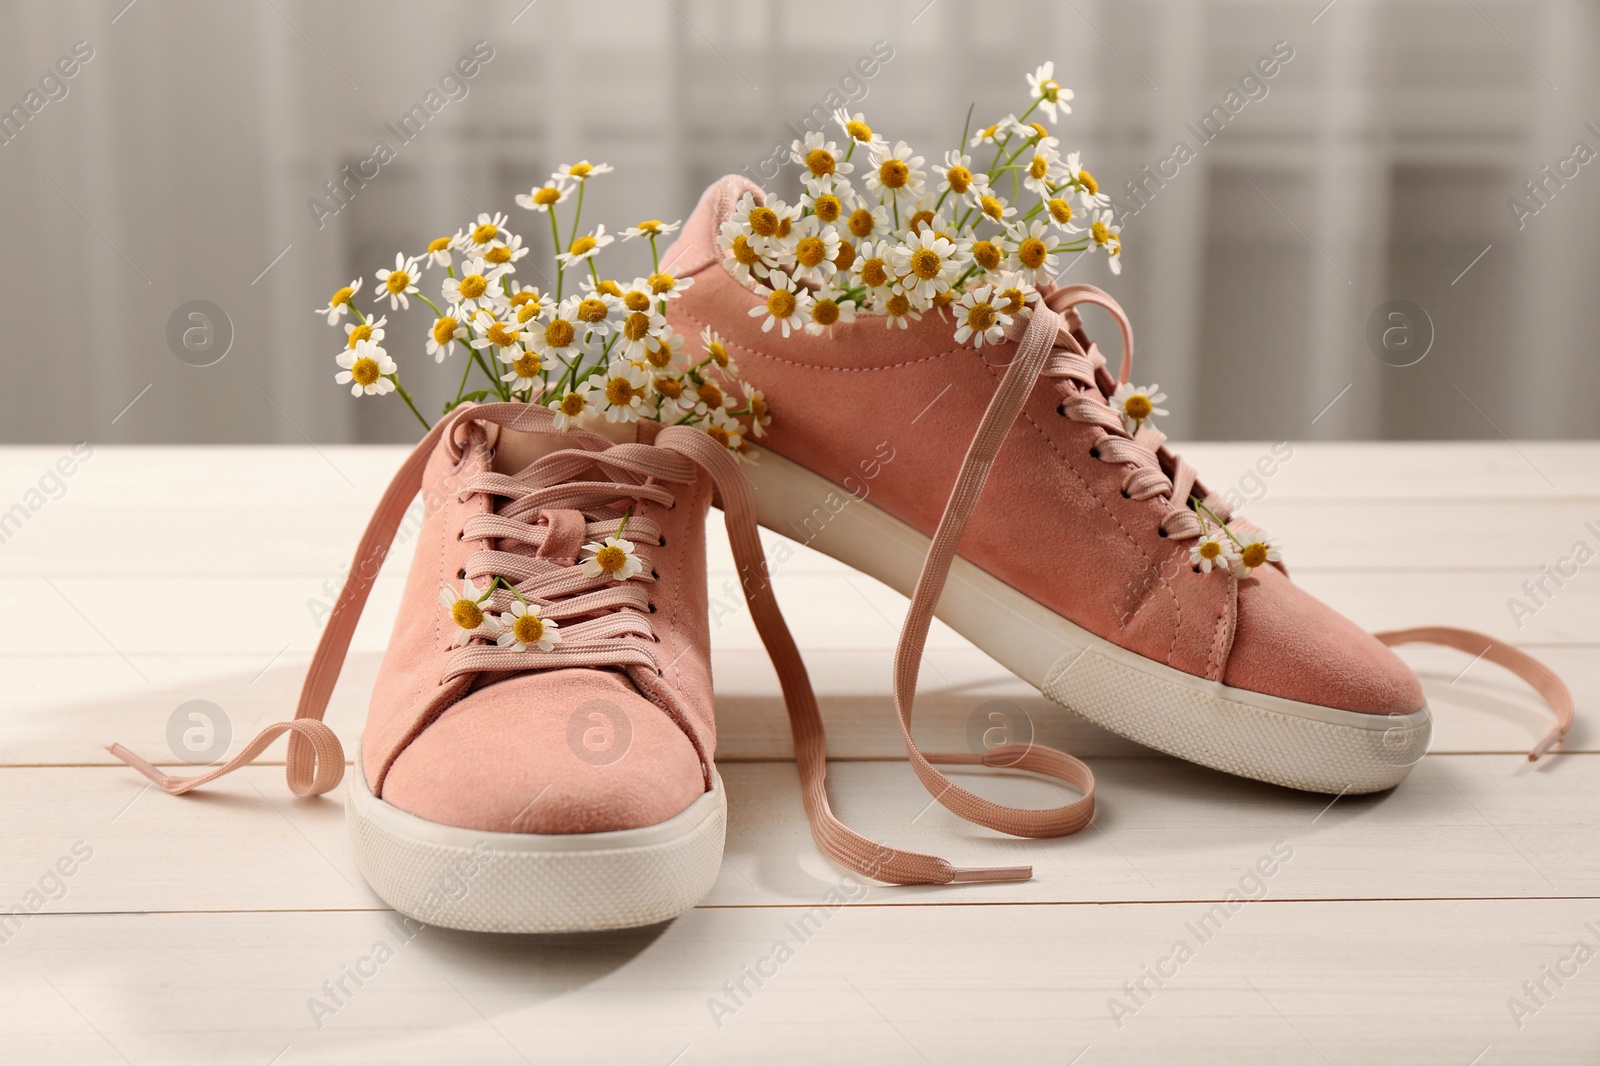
591	347
881	231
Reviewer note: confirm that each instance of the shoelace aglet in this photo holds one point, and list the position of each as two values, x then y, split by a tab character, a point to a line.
139	764
965	875
1551	739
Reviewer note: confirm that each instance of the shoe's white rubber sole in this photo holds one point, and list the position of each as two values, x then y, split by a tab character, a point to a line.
527	883
1299	745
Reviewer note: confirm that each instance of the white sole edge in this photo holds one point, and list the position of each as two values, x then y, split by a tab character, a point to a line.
1268	738
536	883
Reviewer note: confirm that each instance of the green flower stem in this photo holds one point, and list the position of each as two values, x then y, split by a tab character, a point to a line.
655	255
555	235
406	396
437	313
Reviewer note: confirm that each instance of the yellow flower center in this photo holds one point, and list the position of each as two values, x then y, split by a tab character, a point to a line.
758	405
1102	236
671	388
828	208
611	558
1038	130
657	354
546	196
662	282
781	303
1032	252
845	256
466	614
474	286
874	273
824	312
1012	299
501	334
498	254
342	297
1086	179
1060	210
365	371
944	299
1254	555
858	130
527	365
959	177
636	300
710	394
485	232
527	311
925	263
718	353
718	434
1210	549
649	225
527	629
992	207
784	225
743	252
522	296
980	316
438	244
763	221
609	287
583	245
861	222
444	329
619	393
894	173
1039	167
1138	406
572	404
986	254
810	251
362	332
559	333
920	219
580	170
819	161
636	325
898	305
987	133
592	309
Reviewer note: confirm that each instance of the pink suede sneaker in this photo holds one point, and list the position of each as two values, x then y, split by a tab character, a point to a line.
541	760
1080	557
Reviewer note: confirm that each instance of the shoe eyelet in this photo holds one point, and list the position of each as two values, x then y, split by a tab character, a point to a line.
461	575
1094	453
652	608
654	576
1061	409
1161	533
1125	495
661	542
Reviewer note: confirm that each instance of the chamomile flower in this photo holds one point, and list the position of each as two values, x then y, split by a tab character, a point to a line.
493	333
526	303
1211	550
993	252
466	611
597	312
542	198
995	207
871	267
980	317
821	159
621	392
786	306
960	179
1133	404
586	246
651	227
370	330
1108	235
1061	213
744	259
924	264
438	253
705	396
442	336
766	225
523	629
667	286
483	232
580	172
1255	549
635	330
1088	188
1035	255
506	249
366	370
525	368
855	127
717	350
571	404
896	173
992	135
897	311
475	287
755	401
614	558
1051	96
1015	295
813	251
339	302
866	222
829	308
399	283
1042	171
563	337
827	205
725	429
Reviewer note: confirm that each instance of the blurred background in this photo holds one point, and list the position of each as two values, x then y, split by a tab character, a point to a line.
1390	237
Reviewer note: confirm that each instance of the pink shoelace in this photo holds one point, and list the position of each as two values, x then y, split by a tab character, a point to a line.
1048	349
603	624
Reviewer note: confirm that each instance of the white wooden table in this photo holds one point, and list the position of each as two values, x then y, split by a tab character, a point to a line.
200	930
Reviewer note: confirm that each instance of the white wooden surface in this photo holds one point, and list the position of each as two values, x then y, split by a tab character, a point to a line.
1398	931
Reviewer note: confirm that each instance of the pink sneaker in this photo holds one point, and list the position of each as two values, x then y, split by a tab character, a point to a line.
1080	567
551	767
